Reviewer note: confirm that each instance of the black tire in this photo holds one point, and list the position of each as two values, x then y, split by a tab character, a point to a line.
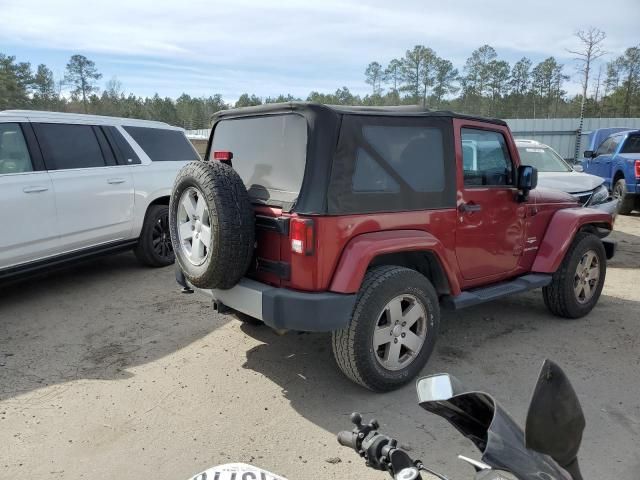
625	207
231	221
154	247
560	296
353	346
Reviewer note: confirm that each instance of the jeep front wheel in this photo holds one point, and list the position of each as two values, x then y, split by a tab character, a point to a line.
577	285
393	329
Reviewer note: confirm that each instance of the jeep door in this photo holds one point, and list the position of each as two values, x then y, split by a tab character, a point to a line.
490	223
28	213
94	196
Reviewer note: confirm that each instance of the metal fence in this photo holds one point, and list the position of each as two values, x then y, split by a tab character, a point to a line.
558	133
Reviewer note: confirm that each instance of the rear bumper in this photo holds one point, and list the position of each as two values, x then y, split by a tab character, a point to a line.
281	308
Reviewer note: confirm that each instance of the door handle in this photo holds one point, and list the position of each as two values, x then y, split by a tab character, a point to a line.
34	189
116	181
469	208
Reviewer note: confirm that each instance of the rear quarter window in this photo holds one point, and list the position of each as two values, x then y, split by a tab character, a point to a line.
163	145
386	164
632	145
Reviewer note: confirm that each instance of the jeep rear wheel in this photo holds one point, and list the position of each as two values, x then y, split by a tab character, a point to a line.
212	225
577	285
393	329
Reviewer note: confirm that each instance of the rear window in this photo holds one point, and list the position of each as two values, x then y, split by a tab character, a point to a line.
163	145
632	145
269	154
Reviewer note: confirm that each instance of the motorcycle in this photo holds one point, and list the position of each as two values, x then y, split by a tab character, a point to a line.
547	449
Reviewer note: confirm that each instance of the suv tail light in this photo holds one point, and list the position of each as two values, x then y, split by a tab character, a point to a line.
301	235
223	156
638	169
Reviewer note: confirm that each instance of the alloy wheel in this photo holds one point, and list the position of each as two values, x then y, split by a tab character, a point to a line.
400	332
587	276
194	226
161	237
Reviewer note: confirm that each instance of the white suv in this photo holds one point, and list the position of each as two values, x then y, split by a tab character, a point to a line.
73	186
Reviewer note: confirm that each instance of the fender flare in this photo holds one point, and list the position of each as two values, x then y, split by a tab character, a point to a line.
361	250
560	233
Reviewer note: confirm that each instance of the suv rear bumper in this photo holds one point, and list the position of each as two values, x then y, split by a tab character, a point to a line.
281	308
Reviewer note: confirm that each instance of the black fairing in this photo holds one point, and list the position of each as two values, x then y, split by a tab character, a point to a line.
481	419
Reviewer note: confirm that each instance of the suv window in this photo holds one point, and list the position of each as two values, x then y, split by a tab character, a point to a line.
632	145
68	146
163	145
414	153
485	158
391	164
14	155
369	176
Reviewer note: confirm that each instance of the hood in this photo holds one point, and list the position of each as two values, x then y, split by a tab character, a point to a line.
570	182
550	195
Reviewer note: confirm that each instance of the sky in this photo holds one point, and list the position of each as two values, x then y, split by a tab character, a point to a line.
286	46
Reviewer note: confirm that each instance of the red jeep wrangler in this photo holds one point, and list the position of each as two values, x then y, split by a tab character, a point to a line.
364	221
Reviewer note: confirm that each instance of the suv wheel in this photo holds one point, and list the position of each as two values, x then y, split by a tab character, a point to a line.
212	224
577	285
154	245
393	329
625	206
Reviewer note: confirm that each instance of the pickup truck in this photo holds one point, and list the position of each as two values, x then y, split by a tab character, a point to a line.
617	160
364	222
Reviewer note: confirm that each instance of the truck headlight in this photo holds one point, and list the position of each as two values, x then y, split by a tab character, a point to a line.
600	195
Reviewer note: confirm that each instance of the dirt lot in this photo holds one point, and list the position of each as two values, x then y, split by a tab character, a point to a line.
107	371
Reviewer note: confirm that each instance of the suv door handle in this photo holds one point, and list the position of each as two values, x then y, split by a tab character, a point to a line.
115	181
469	208
34	189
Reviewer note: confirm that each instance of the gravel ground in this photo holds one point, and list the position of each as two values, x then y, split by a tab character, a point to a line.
107	371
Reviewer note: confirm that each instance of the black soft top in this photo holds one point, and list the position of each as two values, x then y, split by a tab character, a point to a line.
335	135
301	107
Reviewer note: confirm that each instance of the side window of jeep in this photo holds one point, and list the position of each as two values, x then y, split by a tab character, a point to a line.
485	158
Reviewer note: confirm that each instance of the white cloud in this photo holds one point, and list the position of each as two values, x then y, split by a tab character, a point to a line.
310	45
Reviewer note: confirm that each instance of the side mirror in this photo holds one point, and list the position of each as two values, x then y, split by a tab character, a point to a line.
555	421
438	388
527	180
578	168
589	154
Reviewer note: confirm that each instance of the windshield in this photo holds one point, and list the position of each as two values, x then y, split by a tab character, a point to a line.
543	158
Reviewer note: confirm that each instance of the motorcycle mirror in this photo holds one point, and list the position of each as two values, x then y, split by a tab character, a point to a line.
555	421
438	387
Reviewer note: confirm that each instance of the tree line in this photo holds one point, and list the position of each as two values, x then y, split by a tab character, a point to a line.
486	85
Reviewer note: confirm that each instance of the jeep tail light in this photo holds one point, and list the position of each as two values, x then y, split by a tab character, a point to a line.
638	169
222	155
301	235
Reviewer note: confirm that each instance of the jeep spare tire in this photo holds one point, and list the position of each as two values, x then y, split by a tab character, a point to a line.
212	224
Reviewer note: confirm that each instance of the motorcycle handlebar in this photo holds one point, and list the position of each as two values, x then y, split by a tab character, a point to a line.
347	439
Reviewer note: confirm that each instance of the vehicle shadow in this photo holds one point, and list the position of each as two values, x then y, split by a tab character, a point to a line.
94	321
627	250
498	347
